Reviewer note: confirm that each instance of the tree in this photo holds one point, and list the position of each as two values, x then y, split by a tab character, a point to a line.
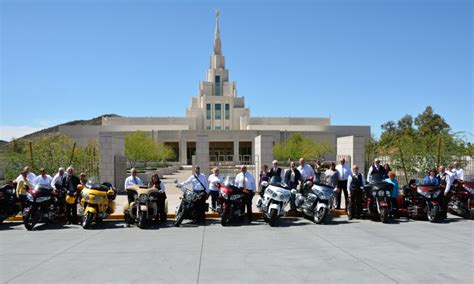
139	146
420	144
299	146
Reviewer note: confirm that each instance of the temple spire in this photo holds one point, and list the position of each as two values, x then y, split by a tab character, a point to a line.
217	37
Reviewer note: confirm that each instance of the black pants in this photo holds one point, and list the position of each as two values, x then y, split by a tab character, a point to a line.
214	196
394	206
342	184
24	201
201	208
354	209
248	203
71	212
161	207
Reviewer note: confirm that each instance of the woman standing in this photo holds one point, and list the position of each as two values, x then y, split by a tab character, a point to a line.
213	180
156	183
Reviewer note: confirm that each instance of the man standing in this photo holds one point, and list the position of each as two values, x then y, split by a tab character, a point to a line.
29	175
58	178
355	183
306	170
22	183
133	179
458	172
70	183
245	181
376	172
445	182
43	179
199	183
275	170
343	171
292	178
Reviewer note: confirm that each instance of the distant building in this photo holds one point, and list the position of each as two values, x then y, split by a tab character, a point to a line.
218	126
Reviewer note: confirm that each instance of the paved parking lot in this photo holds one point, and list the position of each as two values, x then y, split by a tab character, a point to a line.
359	251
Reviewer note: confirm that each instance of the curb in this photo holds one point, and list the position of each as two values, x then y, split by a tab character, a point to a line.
18	218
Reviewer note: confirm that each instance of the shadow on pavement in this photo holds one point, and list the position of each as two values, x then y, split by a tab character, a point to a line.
10	225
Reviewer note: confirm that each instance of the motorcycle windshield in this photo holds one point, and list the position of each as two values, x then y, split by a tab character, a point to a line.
276	181
228	181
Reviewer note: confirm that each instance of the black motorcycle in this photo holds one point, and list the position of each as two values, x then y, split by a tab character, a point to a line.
376	201
190	206
41	206
9	203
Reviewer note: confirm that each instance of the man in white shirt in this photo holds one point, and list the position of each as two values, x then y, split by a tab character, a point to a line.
245	181
133	179
275	170
376	172
445	182
213	180
58	178
43	179
29	176
344	171
458	172
305	170
199	183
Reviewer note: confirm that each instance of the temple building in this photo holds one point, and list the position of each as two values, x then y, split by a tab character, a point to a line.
218	128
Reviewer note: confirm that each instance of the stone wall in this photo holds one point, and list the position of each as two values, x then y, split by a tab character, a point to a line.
263	151
354	147
202	153
112	160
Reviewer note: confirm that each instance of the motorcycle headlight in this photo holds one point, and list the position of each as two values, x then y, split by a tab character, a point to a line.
274	195
374	193
98	198
143	197
436	193
381	193
387	193
30	196
189	195
85	196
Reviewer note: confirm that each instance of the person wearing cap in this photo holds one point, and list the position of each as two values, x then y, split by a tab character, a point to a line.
376	172
199	184
22	184
58	178
29	175
70	183
275	170
245	181
213	180
43	179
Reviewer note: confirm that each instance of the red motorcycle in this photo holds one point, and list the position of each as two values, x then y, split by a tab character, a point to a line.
462	199
230	202
422	202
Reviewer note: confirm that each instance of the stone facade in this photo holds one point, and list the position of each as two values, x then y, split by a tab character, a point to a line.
354	148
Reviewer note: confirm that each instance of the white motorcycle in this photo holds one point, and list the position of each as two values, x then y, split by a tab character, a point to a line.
317	203
275	200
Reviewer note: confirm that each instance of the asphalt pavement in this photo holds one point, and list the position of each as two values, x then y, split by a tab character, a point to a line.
357	251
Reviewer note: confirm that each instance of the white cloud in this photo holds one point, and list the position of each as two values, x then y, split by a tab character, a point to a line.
7	132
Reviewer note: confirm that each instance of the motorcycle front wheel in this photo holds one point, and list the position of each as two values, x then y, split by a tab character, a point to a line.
87	220
433	213
30	219
384	214
141	220
274	218
179	218
320	215
225	219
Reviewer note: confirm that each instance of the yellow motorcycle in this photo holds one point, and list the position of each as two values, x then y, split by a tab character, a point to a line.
143	206
97	202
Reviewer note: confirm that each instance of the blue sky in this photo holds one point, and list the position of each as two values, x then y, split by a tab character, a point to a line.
359	62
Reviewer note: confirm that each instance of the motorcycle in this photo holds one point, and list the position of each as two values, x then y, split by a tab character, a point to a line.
318	202
230	202
376	200
10	204
144	207
188	208
462	199
97	202
422	201
42	206
275	199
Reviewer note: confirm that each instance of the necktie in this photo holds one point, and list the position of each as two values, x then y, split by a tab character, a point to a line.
244	185
135	180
